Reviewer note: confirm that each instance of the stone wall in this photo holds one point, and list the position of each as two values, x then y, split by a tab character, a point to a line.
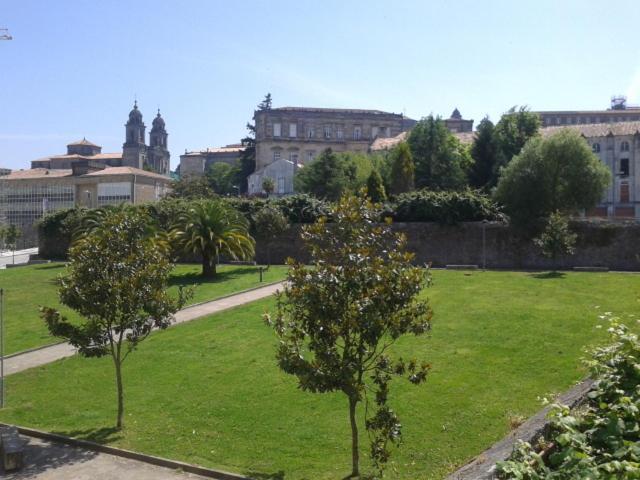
602	244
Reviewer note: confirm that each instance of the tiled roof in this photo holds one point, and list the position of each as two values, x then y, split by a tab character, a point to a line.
227	149
126	171
99	156
388	143
38	173
84	141
597	129
331	110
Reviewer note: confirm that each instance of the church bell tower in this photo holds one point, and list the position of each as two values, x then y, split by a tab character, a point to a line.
158	153
134	149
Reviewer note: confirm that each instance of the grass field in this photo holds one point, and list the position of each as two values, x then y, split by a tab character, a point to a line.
209	392
27	288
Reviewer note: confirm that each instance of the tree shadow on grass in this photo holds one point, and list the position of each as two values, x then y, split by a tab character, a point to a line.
279	475
188	279
104	435
52	266
548	275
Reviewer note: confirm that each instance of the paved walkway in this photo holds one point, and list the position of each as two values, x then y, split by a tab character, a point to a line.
52	353
7	257
54	461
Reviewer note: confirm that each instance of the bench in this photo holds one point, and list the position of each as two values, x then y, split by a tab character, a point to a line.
11	449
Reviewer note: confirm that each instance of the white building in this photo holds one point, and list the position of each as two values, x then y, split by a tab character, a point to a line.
281	172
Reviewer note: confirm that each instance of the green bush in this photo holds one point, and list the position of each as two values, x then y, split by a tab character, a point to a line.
55	231
447	207
600	439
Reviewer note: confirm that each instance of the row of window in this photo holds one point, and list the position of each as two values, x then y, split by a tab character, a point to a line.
328	131
293	157
595	119
624	147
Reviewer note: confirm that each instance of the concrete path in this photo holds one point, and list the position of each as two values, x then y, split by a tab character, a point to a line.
54	461
21	256
42	356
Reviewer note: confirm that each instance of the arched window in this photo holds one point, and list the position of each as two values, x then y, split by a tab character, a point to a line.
595	148
624	147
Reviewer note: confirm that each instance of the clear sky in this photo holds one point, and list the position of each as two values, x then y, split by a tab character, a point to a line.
74	67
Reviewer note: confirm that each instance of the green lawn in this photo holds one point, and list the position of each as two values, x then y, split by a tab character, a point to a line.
27	288
209	392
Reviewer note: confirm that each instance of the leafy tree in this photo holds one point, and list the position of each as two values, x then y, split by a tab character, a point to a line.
247	158
268	224
511	133
11	236
3	235
375	187
558	173
440	159
556	239
484	153
266	103
211	228
337	317
222	178
268	185
326	177
191	187
117	280
402	169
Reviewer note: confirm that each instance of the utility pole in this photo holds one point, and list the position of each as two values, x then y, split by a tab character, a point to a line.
4	34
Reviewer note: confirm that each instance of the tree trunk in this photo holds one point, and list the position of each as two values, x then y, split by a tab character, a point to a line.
355	454
208	266
116	361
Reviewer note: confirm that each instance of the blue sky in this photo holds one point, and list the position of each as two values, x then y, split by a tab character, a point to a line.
74	66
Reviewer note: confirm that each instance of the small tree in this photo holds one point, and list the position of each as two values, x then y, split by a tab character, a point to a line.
3	236
328	176
402	169
117	280
484	154
337	318
11	236
210	228
269	223
556	239
268	185
375	187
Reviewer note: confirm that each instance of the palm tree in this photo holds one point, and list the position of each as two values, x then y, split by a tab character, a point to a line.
211	228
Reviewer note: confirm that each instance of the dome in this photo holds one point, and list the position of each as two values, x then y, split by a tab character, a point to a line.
134	115
158	122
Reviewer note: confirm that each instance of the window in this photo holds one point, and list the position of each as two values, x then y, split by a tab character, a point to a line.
387	132
293	130
624	192
311	132
276	155
595	148
293	157
114	193
624	167
374	132
339	133
277	129
327	131
310	155
624	147
357	132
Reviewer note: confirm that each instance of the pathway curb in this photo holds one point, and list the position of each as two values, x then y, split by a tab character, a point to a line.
120	452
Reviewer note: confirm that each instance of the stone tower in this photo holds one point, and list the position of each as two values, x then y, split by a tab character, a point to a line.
134	149
157	153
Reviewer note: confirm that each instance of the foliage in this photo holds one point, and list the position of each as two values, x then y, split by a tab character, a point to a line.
337	317
484	153
327	177
602	438
55	231
441	161
447	207
266	103
302	208
268	185
191	187
375	187
247	158
211	228
11	235
511	134
222	178
557	173
557	238
268	224
117	281
402	169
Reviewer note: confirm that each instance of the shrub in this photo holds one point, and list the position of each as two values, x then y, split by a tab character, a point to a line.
56	229
448	207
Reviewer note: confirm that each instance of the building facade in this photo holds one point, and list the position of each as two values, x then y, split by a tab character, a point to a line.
197	162
618	146
135	152
618	112
456	124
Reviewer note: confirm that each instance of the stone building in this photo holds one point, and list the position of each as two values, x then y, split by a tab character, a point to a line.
197	162
135	152
4	171
617	113
618	146
456	124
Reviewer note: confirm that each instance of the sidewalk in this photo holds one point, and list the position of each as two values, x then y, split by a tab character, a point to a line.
49	354
7	257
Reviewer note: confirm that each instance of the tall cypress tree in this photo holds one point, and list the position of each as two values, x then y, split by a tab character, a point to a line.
484	154
375	187
402	169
